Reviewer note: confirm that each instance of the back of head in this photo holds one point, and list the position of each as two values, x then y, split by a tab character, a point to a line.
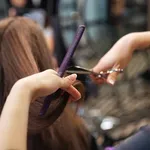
23	52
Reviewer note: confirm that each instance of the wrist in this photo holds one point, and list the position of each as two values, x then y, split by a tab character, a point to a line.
22	88
131	40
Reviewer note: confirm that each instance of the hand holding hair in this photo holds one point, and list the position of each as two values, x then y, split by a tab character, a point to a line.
14	117
47	82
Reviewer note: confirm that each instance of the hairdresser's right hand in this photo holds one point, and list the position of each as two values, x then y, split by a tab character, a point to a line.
46	83
117	57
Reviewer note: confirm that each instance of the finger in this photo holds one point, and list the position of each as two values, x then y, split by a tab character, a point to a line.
75	94
49	72
112	78
68	81
105	62
71	99
67	86
102	66
98	80
52	71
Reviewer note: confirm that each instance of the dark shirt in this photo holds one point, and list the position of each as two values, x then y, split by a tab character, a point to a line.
139	141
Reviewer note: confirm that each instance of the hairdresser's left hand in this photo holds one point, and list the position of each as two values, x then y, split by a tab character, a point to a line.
46	83
17	105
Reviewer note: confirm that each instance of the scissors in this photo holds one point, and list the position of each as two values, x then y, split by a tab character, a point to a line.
85	71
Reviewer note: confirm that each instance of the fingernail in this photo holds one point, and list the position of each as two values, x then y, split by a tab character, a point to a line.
78	98
73	77
111	81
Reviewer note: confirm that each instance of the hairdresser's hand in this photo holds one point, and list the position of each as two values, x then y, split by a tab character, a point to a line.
117	57
47	82
17	105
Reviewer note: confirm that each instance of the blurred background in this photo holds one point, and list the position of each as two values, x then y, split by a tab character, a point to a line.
111	113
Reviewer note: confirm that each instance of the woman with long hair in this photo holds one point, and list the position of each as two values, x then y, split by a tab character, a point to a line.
14	116
24	52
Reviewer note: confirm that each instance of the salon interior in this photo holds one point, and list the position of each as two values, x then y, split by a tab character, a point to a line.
111	113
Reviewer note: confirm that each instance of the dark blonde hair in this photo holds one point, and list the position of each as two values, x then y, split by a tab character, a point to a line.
23	52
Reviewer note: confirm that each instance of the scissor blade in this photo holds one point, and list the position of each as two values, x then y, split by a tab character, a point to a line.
78	70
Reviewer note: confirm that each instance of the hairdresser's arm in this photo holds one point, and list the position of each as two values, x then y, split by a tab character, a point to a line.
14	117
121	53
141	40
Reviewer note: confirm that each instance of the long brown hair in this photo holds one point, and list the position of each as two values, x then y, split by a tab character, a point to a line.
23	52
